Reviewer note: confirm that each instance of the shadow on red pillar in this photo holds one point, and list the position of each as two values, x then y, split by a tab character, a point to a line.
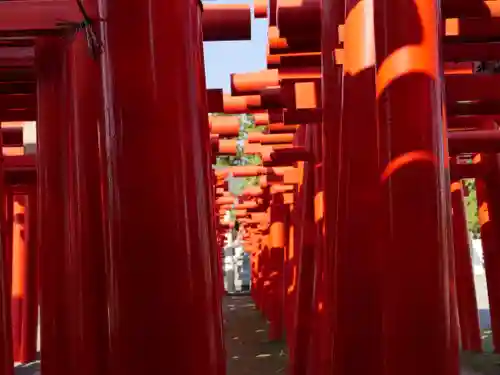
7	232
318	282
87	303
161	281
415	244
52	187
6	348
306	242
216	261
293	253
466	292
332	17
358	306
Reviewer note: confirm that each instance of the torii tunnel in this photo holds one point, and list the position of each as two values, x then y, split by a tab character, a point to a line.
372	115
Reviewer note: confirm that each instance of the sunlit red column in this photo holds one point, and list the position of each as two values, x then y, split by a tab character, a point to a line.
415	238
19	274
30	307
275	262
161	303
264	275
466	293
256	280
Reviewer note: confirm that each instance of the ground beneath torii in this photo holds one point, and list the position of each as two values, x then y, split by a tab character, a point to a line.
248	350
250	353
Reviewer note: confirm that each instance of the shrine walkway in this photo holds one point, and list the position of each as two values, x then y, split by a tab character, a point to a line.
248	350
250	353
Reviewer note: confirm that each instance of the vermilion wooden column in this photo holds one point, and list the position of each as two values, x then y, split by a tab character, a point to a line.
332	16
318	310
52	187
161	283
6	351
8	250
265	272
216	262
257	274
302	340
254	261
357	303
290	274
275	263
415	240
87	303
293	251
466	292
30	308
7	231
489	218
19	274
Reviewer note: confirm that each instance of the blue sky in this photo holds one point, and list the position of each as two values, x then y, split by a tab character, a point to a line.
224	58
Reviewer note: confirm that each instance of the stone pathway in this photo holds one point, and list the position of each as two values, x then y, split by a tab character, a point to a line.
248	350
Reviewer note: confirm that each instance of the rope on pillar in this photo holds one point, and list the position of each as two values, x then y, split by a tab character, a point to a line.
95	46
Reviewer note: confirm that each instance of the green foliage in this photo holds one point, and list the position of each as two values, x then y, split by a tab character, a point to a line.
471	208
247	125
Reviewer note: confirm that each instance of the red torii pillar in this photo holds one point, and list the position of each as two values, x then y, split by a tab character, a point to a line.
52	186
356	272
319	282
87	293
161	303
305	247
24	275
415	237
332	16
8	218
30	311
464	277
488	201
19	273
6	350
275	262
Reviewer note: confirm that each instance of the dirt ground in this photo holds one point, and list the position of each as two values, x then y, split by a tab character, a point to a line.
480	363
248	350
250	353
